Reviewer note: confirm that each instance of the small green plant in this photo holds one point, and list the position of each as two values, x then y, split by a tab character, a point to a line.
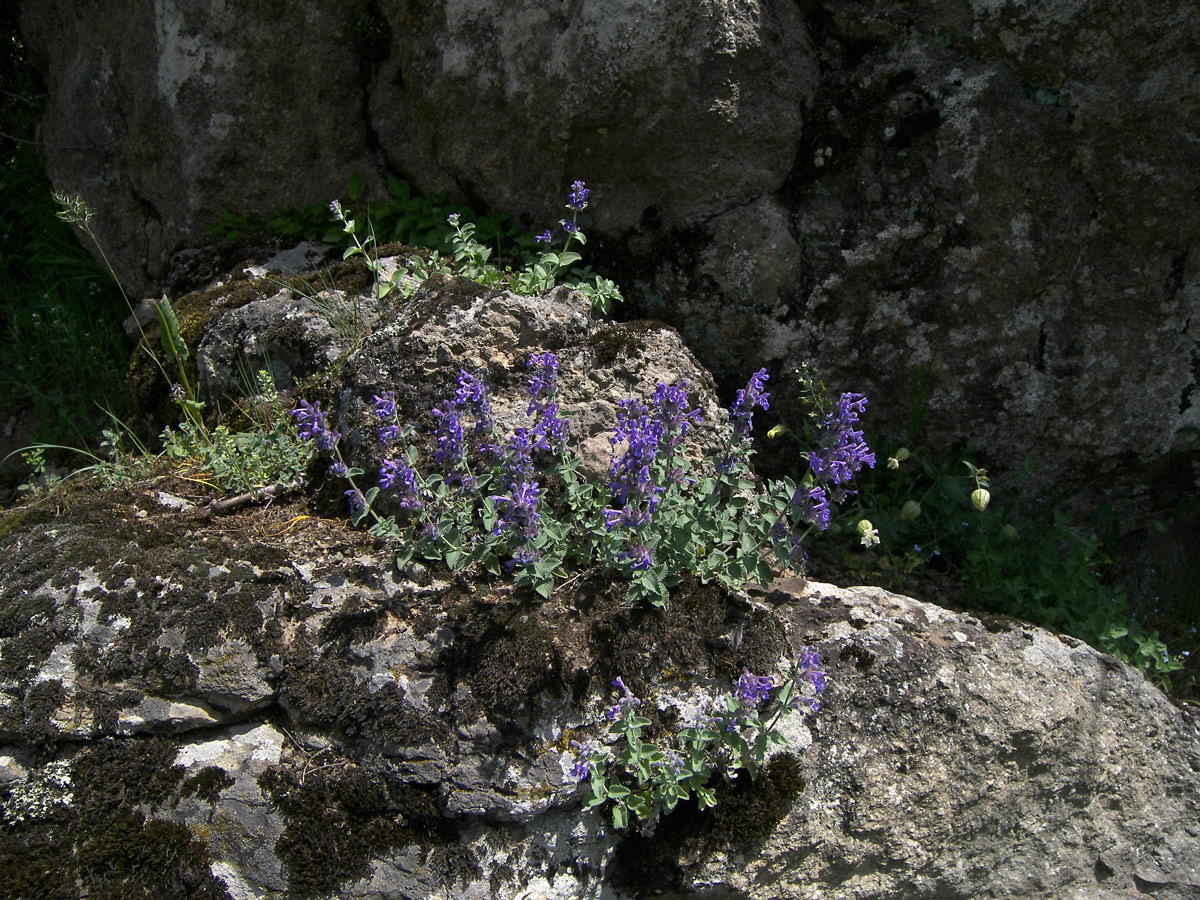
39	478
269	453
638	779
1029	561
446	239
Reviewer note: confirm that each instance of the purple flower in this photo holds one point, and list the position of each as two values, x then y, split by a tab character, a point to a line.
813	505
628	701
472	394
811	672
638	557
518	511
449	435
581	768
337	469
549	430
518	457
543	238
313	425
584	752
752	396
579	195
356	500
543	375
753	689
392	473
629	474
568	226
385	405
670	406
845	452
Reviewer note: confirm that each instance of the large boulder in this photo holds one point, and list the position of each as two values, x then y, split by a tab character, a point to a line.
263	703
992	215
163	115
983	214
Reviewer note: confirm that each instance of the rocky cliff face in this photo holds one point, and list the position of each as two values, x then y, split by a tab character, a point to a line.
995	200
262	703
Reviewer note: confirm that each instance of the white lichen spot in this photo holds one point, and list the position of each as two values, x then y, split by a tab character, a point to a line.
37	795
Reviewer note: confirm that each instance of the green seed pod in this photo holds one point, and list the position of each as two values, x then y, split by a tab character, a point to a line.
910	510
980	497
1011	533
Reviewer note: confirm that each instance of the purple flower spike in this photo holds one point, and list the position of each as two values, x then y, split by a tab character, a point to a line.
314	426
670	405
579	195
581	768
749	398
397	473
449	435
811	672
813	504
845	452
549	429
638	557
628	701
385	404
518	511
753	690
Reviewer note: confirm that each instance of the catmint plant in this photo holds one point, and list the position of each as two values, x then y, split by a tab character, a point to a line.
639	779
517	503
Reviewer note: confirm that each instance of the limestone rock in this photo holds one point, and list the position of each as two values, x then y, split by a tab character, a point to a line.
264	704
994	201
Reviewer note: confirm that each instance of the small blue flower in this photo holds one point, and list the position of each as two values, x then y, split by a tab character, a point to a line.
810	662
579	195
752	397
581	768
314	426
638	557
385	404
753	690
845	452
543	238
449	435
813	504
628	701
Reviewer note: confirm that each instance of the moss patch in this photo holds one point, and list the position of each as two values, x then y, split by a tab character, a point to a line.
745	815
339	819
100	845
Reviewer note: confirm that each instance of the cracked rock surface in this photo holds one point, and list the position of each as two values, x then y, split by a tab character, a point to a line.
263	704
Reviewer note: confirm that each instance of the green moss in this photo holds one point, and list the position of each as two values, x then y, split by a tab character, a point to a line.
35	858
510	667
206	784
31	720
612	341
337	821
745	815
319	691
131	858
99	845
